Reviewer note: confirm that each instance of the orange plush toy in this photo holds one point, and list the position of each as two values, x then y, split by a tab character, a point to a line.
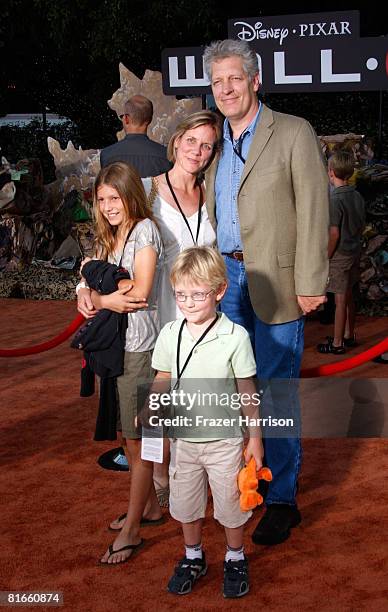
248	480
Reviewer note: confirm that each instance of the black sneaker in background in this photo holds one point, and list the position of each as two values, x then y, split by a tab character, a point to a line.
383	359
114	459
185	574
236	578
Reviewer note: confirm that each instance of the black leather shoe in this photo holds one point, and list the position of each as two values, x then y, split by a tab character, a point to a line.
275	526
114	459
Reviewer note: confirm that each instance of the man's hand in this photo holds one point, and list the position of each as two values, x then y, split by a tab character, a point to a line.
120	302
254	449
310	303
85	304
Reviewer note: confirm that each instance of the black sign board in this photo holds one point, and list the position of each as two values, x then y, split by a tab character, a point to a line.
296	53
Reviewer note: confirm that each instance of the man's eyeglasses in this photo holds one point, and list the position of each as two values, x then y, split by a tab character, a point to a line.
198	296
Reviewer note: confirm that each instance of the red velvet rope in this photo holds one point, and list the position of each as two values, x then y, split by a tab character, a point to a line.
346	364
324	370
45	346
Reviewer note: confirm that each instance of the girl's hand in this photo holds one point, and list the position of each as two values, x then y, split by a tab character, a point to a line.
85	304
255	449
83	262
120	302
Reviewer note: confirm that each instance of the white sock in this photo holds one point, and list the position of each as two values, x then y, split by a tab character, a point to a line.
234	554
194	552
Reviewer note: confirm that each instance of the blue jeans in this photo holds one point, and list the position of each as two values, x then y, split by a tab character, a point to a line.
278	351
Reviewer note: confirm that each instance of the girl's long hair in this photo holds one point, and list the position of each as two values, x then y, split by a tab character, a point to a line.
129	186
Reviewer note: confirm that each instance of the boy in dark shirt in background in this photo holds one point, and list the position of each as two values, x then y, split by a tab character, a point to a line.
347	222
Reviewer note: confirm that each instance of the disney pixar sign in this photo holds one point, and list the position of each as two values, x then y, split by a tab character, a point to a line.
314	52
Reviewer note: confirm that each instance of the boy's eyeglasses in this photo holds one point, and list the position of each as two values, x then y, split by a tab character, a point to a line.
198	296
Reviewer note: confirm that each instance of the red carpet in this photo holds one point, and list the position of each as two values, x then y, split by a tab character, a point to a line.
57	502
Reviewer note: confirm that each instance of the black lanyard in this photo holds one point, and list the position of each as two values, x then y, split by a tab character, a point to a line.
178	370
183	214
238	147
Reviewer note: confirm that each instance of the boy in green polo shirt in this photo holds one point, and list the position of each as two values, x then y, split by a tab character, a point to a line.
207	345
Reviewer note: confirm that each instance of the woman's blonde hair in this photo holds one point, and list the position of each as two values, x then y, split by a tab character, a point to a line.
129	186
199	265
204	117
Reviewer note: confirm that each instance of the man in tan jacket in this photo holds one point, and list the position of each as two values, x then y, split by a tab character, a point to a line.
267	195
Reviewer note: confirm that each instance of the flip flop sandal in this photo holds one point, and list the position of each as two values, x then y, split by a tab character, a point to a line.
145	522
163	496
133	547
120	518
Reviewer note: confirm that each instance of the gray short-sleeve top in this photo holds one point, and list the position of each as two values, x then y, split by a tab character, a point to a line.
143	325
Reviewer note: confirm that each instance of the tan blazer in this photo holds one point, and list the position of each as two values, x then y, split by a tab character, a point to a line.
283	209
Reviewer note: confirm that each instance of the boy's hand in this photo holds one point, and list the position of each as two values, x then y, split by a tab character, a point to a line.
254	449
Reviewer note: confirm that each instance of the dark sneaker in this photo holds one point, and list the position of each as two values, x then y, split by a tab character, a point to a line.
114	459
236	579
185	574
381	358
275	526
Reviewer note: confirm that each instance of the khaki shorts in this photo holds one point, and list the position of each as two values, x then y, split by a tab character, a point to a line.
195	464
137	369
344	272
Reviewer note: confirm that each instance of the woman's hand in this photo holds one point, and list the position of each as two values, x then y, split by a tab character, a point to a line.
120	302
85	304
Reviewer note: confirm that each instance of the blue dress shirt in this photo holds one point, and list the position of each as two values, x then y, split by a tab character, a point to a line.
229	171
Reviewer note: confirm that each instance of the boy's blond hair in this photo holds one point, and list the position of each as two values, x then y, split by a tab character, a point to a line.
199	265
342	164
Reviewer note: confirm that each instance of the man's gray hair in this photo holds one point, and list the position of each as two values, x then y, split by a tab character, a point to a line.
221	49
